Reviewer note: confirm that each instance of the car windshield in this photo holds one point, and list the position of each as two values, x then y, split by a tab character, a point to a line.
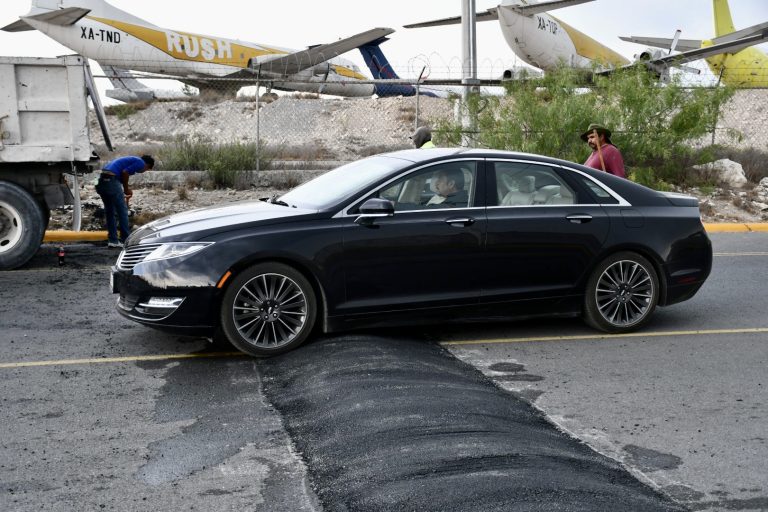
341	183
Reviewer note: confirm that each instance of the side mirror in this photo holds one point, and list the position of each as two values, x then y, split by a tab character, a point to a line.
375	208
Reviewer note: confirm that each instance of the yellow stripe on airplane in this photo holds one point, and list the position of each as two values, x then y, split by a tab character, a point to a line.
192	47
198	48
349	73
591	49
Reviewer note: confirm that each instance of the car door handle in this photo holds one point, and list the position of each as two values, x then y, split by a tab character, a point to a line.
579	218
460	222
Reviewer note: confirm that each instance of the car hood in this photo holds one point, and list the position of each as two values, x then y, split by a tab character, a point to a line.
213	218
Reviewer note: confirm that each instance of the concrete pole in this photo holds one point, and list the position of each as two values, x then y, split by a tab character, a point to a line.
77	209
469	71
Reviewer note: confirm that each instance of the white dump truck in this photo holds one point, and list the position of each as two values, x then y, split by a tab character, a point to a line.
44	136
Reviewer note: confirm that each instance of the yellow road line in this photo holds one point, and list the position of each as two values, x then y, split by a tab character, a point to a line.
756	330
212	355
128	359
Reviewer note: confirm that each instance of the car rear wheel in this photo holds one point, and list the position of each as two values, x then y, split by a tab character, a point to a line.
621	293
268	309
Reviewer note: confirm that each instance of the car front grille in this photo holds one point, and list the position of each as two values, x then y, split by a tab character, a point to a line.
132	256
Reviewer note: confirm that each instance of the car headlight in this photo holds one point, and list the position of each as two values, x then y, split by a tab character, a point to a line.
176	250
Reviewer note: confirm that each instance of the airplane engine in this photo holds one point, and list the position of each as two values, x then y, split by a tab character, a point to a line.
322	70
520	73
650	54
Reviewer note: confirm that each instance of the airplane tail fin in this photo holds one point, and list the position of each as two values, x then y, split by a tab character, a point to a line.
381	69
68	16
723	20
376	61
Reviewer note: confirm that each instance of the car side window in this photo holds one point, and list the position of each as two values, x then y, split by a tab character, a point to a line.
529	184
602	195
444	185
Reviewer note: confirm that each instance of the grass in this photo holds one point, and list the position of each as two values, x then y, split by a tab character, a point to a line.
221	161
124	110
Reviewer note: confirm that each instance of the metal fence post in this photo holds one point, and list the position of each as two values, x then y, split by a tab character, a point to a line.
258	126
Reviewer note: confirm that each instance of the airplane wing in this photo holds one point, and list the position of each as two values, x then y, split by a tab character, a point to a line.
716	49
490	14
695	44
664	42
678	59
68	16
530	10
298	61
745	32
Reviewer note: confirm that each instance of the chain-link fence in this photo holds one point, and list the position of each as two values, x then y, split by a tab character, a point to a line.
315	131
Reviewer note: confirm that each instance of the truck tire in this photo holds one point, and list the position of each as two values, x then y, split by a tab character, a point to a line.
21	226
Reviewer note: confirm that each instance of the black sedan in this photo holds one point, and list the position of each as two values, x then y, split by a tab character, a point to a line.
417	236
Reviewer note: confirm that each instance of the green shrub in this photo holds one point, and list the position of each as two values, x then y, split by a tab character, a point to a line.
654	124
220	161
123	110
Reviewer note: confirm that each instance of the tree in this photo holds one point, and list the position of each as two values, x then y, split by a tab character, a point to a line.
656	125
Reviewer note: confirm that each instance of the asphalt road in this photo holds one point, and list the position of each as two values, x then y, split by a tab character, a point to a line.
102	414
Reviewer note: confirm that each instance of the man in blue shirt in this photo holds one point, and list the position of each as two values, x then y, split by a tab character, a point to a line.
114	190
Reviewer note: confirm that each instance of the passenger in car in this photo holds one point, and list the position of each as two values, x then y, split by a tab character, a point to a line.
449	189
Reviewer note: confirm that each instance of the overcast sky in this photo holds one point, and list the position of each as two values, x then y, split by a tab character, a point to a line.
299	23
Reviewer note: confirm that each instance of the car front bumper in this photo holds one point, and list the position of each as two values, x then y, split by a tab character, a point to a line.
191	311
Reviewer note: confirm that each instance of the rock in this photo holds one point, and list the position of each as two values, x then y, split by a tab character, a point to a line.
728	172
762	189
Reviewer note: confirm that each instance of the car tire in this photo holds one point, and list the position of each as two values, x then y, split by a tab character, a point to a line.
621	293
22	226
268	309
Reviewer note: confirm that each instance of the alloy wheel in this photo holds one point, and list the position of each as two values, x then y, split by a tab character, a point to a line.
269	310
624	293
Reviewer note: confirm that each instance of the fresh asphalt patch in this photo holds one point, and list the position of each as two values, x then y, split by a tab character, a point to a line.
389	424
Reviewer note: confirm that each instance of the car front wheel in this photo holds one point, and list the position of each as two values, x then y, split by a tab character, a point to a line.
621	294
268	309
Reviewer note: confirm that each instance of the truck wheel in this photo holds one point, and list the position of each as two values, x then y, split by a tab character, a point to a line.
21	226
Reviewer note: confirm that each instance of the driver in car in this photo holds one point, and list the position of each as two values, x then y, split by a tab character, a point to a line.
448	185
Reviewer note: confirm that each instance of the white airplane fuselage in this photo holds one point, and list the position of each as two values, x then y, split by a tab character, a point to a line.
545	42
115	38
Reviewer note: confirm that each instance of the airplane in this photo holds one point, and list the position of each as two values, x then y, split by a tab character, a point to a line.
747	67
381	69
545	42
120	42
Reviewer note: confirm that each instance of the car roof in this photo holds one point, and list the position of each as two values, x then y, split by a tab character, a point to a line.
426	155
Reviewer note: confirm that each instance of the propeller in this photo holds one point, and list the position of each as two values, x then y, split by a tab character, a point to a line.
665	73
675	39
